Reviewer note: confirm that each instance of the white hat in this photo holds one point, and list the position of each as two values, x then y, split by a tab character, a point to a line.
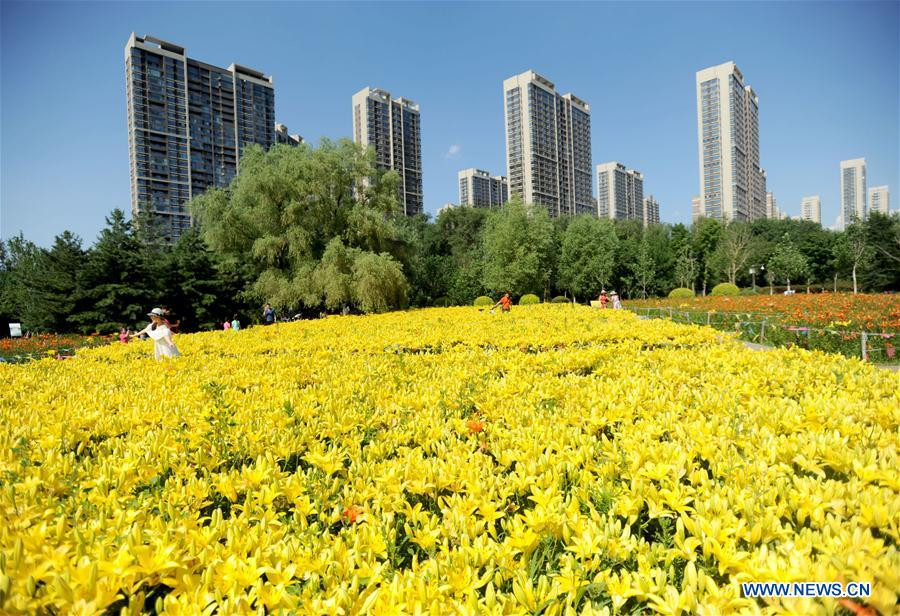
156	312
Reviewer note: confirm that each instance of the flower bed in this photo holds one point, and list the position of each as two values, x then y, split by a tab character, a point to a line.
547	460
866	326
43	345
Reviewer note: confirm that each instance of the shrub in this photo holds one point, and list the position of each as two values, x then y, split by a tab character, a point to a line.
559	299
725	288
750	291
442	302
529	299
484	300
681	293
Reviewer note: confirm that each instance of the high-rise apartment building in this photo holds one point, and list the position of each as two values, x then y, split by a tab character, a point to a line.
620	192
548	145
880	199
732	183
283	136
391	126
479	189
188	124
853	191
811	209
650	211
696	212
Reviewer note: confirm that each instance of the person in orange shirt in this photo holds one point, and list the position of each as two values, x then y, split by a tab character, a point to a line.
505	303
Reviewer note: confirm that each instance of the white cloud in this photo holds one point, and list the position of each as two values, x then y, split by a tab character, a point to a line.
453	151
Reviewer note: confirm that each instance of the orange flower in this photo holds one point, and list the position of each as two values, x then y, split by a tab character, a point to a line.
475	425
351	514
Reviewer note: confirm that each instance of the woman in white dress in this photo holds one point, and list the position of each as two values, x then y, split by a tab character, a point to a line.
158	330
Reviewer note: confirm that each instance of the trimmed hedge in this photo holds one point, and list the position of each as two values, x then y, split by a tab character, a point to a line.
484	300
529	299
681	293
724	289
559	299
442	302
750	291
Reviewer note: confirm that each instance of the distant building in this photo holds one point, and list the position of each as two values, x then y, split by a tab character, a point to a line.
696	212
650	211
445	207
880	199
853	191
548	145
811	209
392	128
732	183
188	124
620	192
772	211
479	189
282	136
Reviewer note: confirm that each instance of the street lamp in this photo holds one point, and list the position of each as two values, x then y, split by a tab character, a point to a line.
753	271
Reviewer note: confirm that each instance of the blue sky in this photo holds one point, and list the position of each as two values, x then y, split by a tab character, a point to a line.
826	73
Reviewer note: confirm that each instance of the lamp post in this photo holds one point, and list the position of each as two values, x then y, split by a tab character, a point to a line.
753	271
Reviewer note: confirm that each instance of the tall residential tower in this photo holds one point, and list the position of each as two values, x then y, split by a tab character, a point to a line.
548	145
188	124
853	191
391	127
732	183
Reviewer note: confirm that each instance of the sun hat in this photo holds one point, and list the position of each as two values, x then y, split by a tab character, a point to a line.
156	312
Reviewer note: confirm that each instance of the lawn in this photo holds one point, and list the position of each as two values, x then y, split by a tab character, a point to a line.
557	459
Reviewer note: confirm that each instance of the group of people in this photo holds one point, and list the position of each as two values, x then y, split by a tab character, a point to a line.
161	330
612	298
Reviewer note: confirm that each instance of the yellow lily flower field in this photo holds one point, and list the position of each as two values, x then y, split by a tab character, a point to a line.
554	460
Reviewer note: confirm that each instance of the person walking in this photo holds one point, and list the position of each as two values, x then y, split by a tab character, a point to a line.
614	298
505	303
235	324
269	315
158	330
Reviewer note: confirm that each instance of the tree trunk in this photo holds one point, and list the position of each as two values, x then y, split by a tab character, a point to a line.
854	279
835	282
789	285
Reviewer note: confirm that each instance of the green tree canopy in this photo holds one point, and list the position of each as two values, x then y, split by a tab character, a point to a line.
285	207
518	249
587	255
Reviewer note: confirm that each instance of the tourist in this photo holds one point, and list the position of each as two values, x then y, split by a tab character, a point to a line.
226	325
614	298
158	330
123	335
603	298
235	324
269	316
